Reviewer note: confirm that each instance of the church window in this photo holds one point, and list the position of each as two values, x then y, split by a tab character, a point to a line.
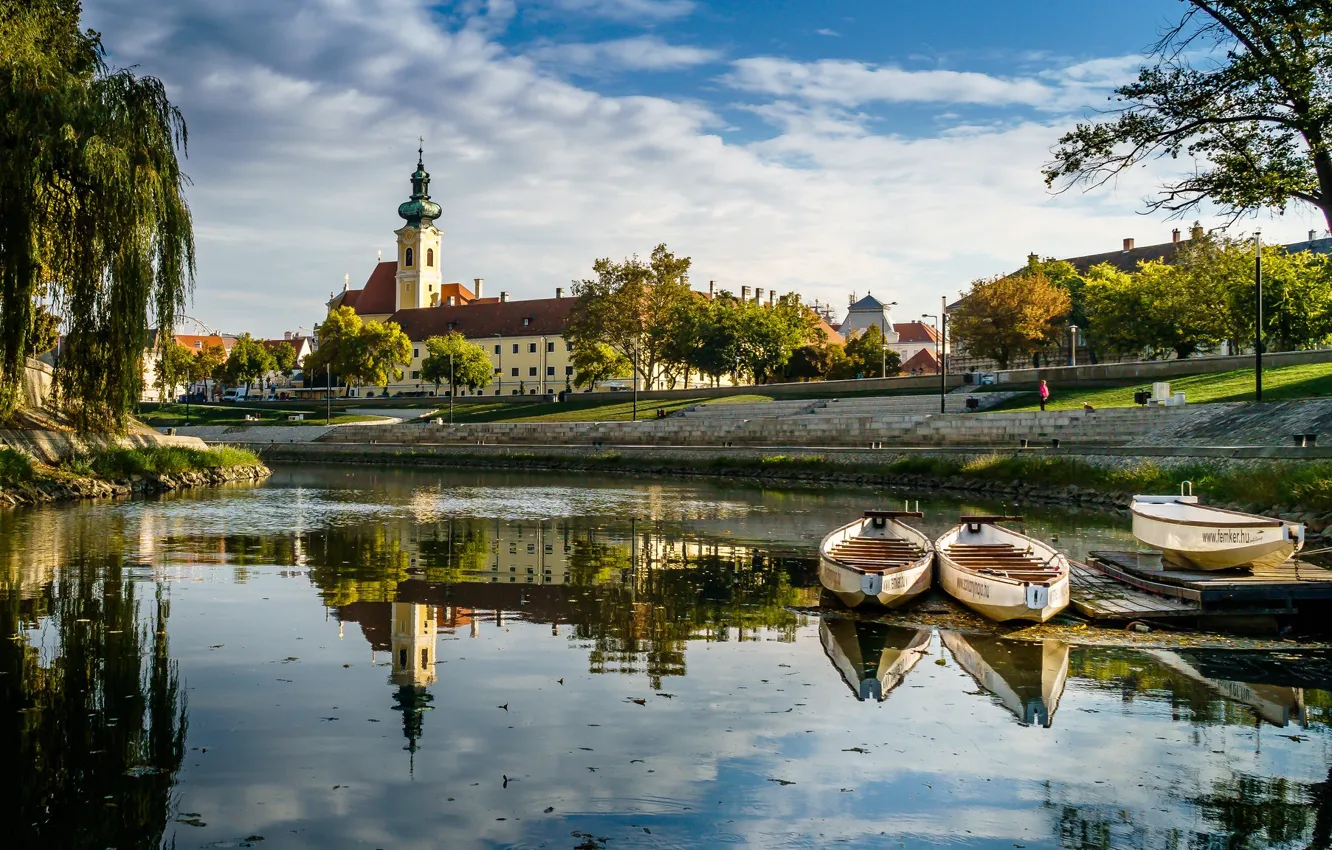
430	258
407	258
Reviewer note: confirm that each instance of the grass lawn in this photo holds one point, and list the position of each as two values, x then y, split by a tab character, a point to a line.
575	410
173	415
1280	383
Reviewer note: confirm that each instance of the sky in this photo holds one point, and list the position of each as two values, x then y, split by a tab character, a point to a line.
828	148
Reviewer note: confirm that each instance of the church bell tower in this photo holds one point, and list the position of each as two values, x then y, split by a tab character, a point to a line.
418	279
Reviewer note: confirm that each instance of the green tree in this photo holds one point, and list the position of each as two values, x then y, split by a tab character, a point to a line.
1156	310
45	332
175	365
208	362
454	361
597	362
865	357
248	361
767	336
339	345
1006	317
633	307
91	206
1240	90
284	357
384	349
812	361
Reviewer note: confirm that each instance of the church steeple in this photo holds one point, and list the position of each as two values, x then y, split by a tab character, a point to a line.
420	207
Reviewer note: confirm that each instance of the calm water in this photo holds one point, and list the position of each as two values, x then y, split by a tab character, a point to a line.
388	659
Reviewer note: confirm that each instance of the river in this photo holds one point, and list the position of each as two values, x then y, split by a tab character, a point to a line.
397	659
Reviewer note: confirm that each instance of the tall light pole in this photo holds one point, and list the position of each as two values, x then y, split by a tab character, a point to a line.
635	379
451	388
1258	309
938	356
500	346
1073	346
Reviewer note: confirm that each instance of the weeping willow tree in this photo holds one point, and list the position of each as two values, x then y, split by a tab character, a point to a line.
92	209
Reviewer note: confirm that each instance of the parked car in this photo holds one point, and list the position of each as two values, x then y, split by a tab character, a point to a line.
193	398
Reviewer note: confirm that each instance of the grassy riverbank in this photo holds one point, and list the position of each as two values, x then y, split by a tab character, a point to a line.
174	416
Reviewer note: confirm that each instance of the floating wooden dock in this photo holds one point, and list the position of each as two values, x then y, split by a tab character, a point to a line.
1144	581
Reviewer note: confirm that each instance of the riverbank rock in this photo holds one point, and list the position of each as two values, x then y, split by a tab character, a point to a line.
68	488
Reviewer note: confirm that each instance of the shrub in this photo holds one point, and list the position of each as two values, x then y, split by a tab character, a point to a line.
15	467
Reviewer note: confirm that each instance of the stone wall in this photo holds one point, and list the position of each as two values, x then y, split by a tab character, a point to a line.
53	446
38	379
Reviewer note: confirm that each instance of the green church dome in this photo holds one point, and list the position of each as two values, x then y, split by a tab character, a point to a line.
420	208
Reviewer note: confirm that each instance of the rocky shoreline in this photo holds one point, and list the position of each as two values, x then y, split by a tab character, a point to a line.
69	488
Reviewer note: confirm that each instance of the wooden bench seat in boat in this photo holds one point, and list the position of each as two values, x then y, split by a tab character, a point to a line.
1002	559
877	555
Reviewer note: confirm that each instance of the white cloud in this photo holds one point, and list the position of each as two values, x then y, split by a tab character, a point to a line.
628	10
304	118
642	53
850	83
828	32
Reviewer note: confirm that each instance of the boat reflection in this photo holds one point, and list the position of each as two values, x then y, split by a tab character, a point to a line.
1027	677
1279	705
872	658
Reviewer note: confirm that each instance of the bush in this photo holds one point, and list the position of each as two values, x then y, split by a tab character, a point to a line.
119	463
15	467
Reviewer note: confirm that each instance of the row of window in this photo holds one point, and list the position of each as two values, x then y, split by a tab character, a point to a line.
531	349
409	258
531	372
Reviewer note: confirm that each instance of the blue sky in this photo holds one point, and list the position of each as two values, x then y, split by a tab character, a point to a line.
826	148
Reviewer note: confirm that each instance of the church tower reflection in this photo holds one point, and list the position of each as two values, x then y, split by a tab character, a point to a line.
413	653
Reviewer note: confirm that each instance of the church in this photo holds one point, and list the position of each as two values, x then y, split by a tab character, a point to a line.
525	338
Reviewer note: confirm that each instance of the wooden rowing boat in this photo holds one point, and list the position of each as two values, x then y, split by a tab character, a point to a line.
1197	537
872	658
878	558
1027	678
1000	573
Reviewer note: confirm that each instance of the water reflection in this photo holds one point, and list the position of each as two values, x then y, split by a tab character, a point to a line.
633	665
872	658
1027	677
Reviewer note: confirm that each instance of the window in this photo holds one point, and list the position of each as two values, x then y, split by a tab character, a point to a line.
531	348
416	353
497	350
425	659
515	372
568	370
430	258
407	259
415	375
515	348
568	346
499	371
550	348
550	371
531	371
526	321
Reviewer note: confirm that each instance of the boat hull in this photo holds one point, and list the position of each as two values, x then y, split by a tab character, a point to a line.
998	597
1215	541
855	588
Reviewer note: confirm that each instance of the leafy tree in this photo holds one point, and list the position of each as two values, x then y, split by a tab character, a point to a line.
768	335
633	307
1238	87
866	357
175	365
91	205
1006	317
284	357
469	367
339	344
209	362
45	331
809	362
384	349
597	362
1158	309
248	361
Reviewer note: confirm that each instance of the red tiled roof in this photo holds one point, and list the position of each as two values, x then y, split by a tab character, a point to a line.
379	293
913	332
195	342
479	320
834	338
921	361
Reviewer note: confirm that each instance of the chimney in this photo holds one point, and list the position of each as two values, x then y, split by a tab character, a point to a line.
852	300
1197	231
1313	234
346	282
1033	259
504	298
712	289
744	293
286	334
1128	244
379	256
758	294
771	293
477	284
559	292
1174	235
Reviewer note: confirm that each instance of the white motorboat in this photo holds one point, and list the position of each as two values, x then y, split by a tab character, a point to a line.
1000	573
878	558
872	658
1197	537
1028	678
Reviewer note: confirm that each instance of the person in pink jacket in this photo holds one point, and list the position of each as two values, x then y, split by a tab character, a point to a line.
1045	394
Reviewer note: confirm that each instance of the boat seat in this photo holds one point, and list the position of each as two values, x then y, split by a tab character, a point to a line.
1002	559
877	554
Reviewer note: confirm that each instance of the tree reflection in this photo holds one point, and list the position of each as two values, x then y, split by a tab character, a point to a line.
92	715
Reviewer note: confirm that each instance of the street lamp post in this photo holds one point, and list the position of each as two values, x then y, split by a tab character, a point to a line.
938	357
451	388
1073	346
500	346
1258	325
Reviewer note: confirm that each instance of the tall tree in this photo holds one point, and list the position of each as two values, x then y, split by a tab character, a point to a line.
632	307
597	362
384	349
866	357
207	361
91	207
284	357
454	361
339	345
769	334
1238	88
1007	317
248	361
175	363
